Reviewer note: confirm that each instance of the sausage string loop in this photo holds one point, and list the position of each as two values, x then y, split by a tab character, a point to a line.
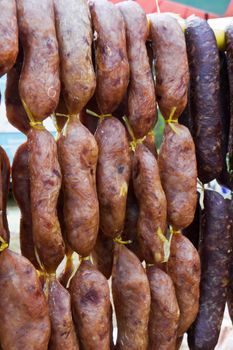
133	144
119	240
100	116
170	121
34	124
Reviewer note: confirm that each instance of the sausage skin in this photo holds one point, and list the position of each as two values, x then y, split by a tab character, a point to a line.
131	296
39	84
102	254
45	183
4	189
113	172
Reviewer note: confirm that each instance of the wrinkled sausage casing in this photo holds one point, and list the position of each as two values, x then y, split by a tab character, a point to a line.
102	254
131	296
178	172
78	154
215	252
8	35
112	67
39	84
74	31
171	64
184	269
113	172
15	111
62	328
141	92
164	312
4	190
23	309
45	183
152	204
205	97
90	297
21	192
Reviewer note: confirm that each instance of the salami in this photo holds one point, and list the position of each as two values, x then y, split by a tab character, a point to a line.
178	172
164	312
74	31
205	97
78	155
91	307
8	35
141	93
171	64
102	254
215	247
152	223
39	84
24	313
131	296
45	183
112	66
62	328
184	269
21	192
113	173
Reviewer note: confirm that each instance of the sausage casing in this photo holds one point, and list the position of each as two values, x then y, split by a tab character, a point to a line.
4	189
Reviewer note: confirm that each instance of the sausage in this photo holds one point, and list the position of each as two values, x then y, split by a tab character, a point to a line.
3	233
152	205
178	172
21	192
113	173
102	254
112	66
24	313
45	183
74	32
215	253
62	328
229	55
131	219
78	154
39	84
192	232
164	312
171	64
8	35
5	179
15	111
184	269
141	92
131	296
90	299
205	97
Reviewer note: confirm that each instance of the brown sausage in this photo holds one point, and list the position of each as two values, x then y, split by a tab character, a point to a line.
21	192
113	172
73	24
90	299
102	254
164	312
15	111
112	66
23	309
45	176
5	179
131	296
3	233
152	204
184	270
141	98
39	84
62	328
8	35
78	154
178	172
171	64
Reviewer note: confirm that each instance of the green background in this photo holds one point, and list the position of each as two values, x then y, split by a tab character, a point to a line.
215	6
